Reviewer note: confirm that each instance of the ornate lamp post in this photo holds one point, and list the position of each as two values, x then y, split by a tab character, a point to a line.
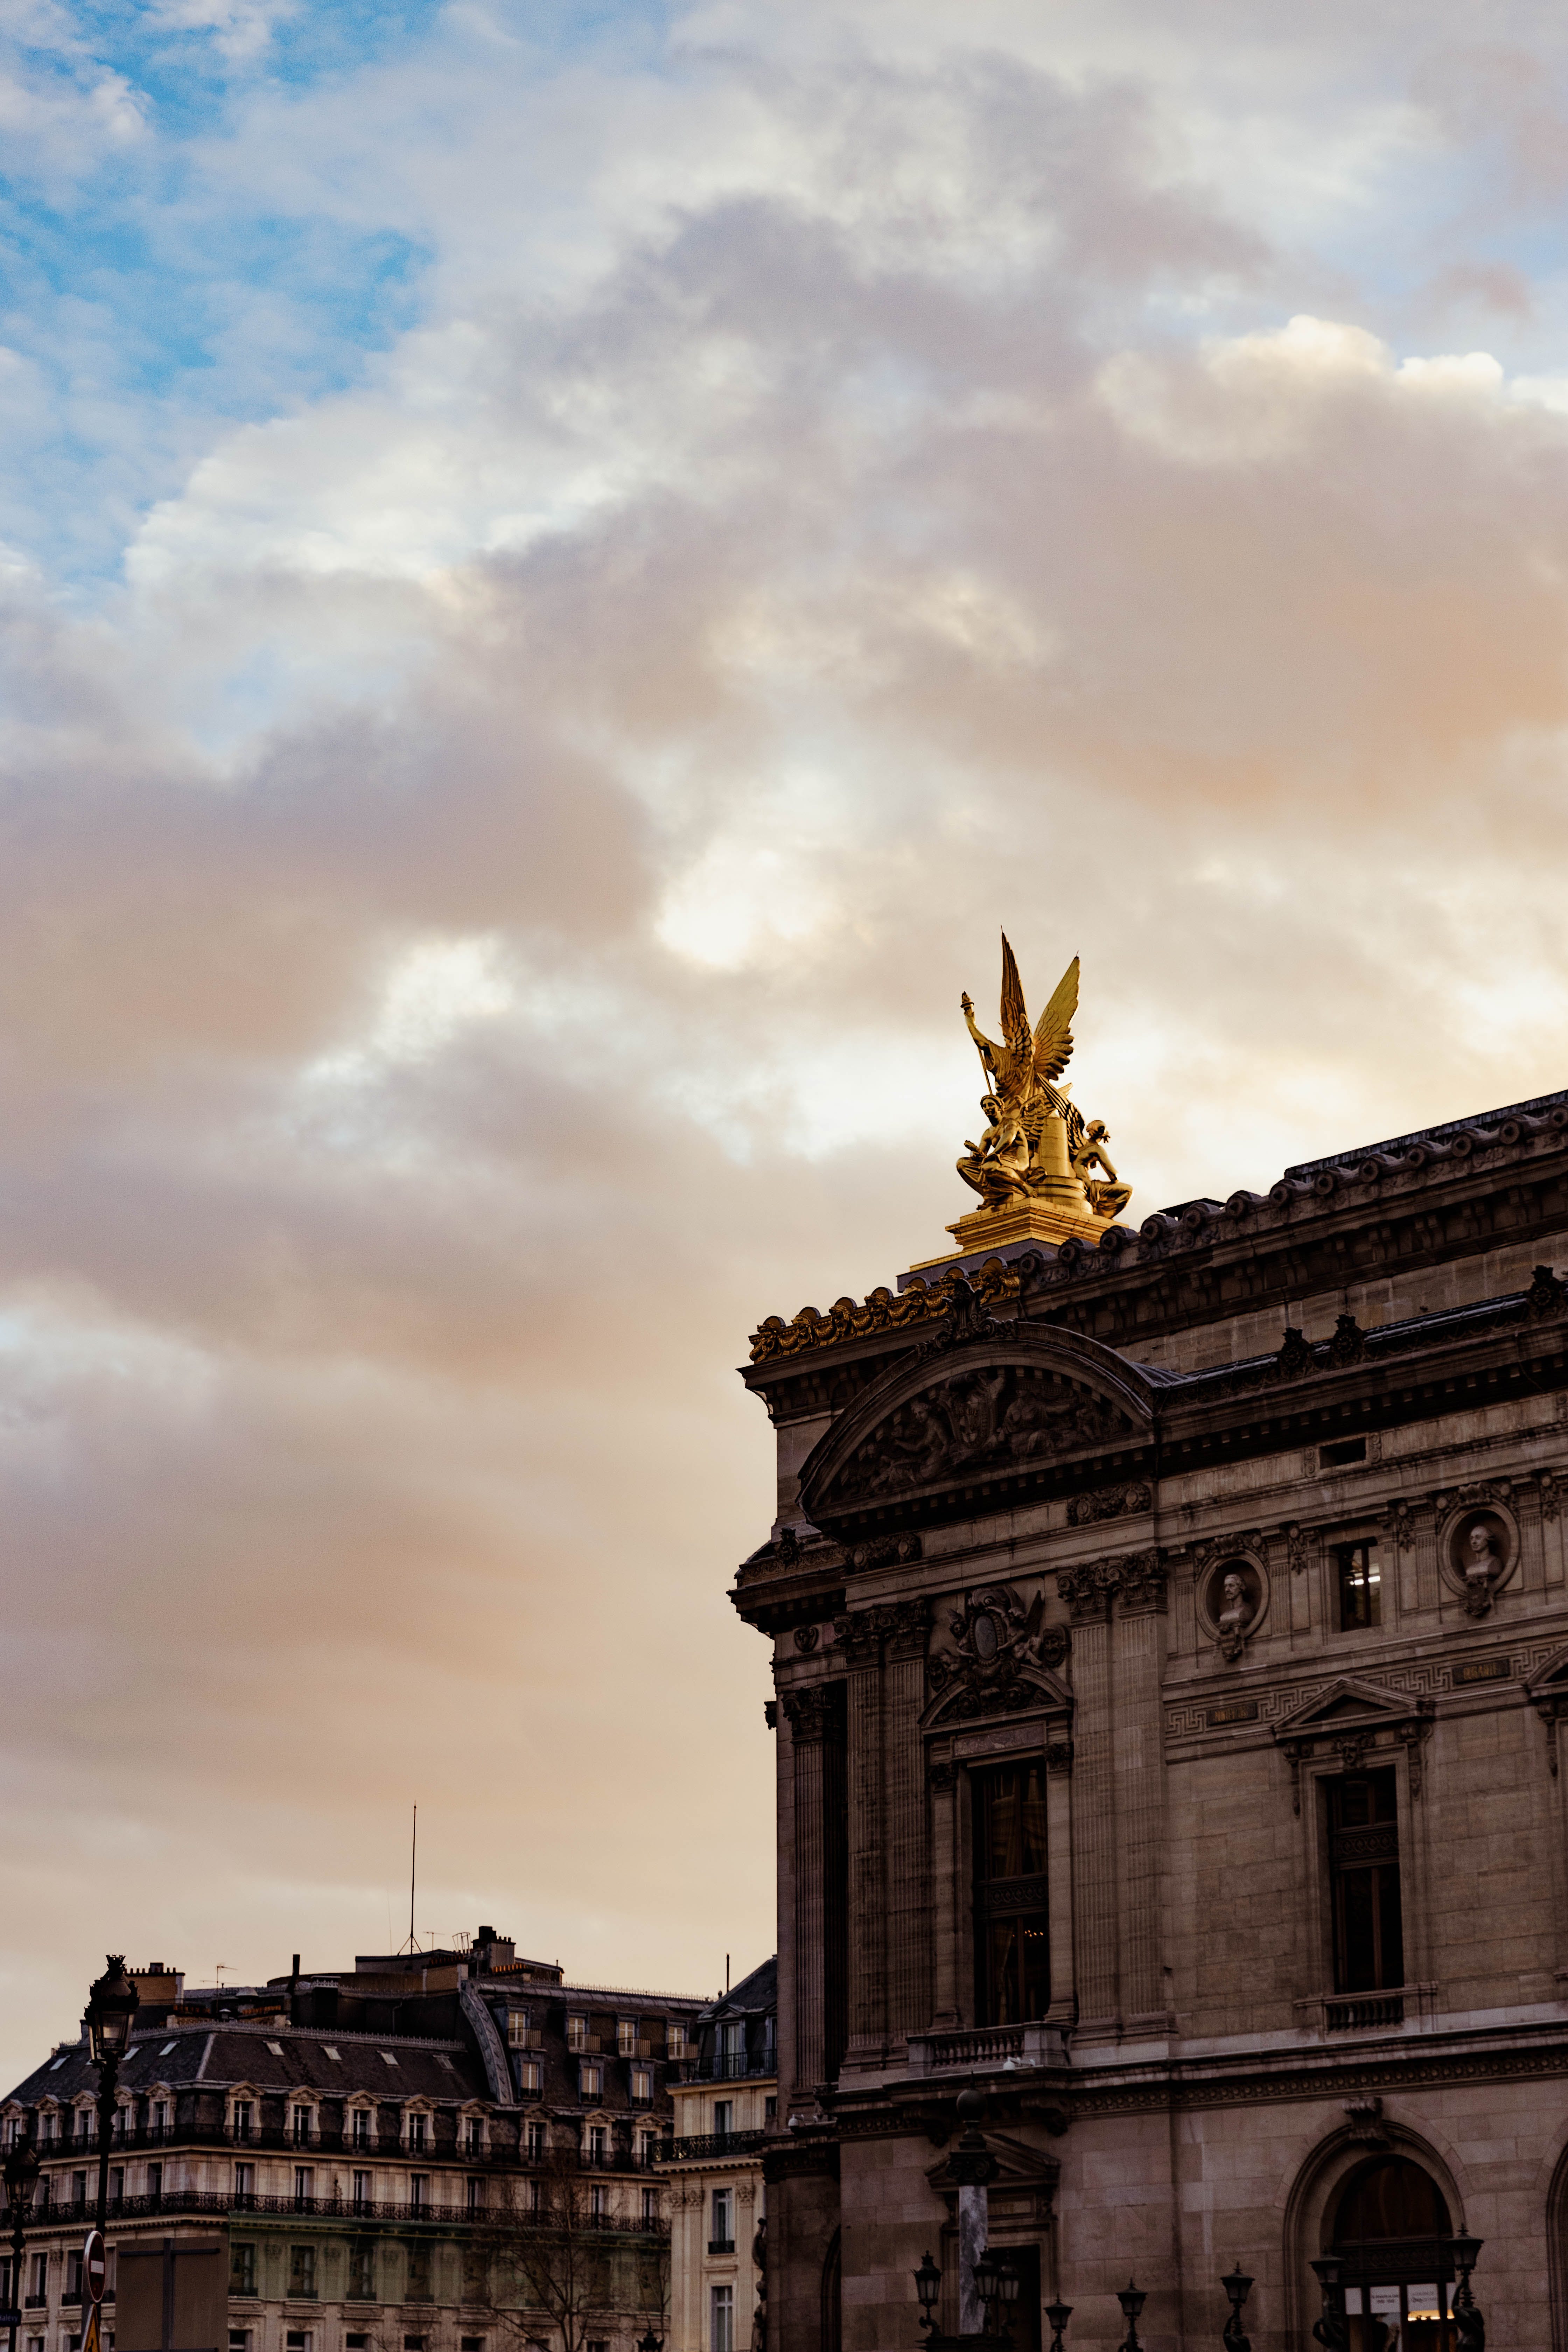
1471	2325
928	2286
1238	2287
1058	2315
111	2006
1131	2302
1330	2330
21	2179
996	2283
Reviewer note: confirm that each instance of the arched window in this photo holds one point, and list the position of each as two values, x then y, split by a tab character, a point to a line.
1391	2231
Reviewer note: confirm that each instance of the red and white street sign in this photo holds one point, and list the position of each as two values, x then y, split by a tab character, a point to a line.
94	2266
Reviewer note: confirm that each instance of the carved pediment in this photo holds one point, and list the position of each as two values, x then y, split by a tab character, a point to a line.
1020	2170
1349	1704
1002	1661
995	1408
1352	1720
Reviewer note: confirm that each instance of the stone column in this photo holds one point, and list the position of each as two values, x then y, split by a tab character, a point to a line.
1140	1773
1063	2009
809	1713
946	1895
1088	1591
783	1791
860	1641
908	1886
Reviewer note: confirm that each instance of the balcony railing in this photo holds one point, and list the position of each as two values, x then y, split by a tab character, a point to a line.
384	2209
987	2047
1382	2010
720	2245
698	2144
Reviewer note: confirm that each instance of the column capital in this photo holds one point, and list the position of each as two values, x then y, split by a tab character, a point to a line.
1142	1579
814	1712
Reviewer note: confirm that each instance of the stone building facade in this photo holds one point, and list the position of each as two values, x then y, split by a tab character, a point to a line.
377	2144
713	2171
1170	1639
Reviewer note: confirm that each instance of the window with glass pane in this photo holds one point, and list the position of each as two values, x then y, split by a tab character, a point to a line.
1392	2237
1361	1587
722	2319
302	2272
362	2193
241	2268
626	2037
362	2128
1013	1976
1364	1869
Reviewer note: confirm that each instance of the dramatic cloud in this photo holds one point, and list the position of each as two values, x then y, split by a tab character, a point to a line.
560	578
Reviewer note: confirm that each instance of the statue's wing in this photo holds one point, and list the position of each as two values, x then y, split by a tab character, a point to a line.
1053	1038
1014	1014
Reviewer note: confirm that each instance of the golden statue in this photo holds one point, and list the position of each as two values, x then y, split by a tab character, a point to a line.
1033	1167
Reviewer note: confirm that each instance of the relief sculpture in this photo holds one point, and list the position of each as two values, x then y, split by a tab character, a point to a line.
980	1420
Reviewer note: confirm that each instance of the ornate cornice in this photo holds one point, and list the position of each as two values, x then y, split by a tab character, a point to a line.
922	1304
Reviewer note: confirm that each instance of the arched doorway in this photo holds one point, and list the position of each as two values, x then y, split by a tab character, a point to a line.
1390	2228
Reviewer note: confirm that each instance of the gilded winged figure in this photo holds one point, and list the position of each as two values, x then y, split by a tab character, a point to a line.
1022	1092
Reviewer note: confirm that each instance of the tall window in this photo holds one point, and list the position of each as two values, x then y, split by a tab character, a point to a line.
245	2185
242	2118
302	2273
1363	1867
156	2183
79	2188
304	2186
642	2086
1013	1948
517	2028
535	2143
530	2076
732	2048
361	2192
722	2319
626	2037
241	2268
1361	1587
590	2080
419	2190
722	2239
418	2288
360	2132
650	2205
576	2033
362	2271
1391	2235
598	2202
476	2188
723	2116
417	2134
302	2127
675	2038
598	2144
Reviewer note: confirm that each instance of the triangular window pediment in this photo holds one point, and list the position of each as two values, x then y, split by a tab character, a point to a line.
1350	1700
1551	1675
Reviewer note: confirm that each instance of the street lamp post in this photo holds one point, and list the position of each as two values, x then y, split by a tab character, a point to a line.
1131	2302
21	2177
1237	2286
1330	2331
111	2007
1472	2327
1058	2315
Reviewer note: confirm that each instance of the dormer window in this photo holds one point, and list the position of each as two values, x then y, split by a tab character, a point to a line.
302	2119
626	2037
590	2080
576	2033
416	2123
243	2113
359	2127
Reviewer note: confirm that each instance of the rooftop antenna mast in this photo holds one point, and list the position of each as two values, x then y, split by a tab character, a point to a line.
412	1945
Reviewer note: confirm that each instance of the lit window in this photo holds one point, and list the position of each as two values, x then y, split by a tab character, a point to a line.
416	2133
517	2028
642	2086
626	2037
529	2075
576	2033
675	2038
241	2268
361	2135
590	2081
1361	1587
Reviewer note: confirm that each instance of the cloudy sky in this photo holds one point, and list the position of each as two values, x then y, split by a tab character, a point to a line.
563	569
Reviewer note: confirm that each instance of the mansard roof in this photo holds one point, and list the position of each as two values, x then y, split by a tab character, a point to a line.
228	2056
